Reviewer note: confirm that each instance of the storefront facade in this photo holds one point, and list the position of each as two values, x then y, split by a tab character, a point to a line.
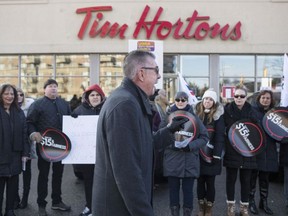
211	43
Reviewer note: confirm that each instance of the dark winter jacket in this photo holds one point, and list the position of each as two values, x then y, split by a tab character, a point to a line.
232	158
46	113
13	141
180	163
217	139
267	160
123	174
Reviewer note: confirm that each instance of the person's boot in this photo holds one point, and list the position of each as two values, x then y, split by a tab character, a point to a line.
263	204
24	201
252	206
201	204
174	210
244	209
187	211
208	209
230	208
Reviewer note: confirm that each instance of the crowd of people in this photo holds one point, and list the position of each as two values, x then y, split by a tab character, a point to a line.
131	128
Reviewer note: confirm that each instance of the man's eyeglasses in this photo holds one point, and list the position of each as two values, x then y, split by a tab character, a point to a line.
21	95
156	69
239	96
182	100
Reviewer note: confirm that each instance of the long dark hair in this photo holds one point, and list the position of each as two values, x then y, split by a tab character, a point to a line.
263	92
3	88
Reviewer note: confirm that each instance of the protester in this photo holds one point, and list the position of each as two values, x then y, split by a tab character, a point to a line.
181	163
44	113
123	176
24	104
234	161
211	113
14	147
94	98
267	161
284	162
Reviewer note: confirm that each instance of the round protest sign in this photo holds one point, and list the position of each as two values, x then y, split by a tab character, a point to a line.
190	129
275	123
55	145
206	152
247	138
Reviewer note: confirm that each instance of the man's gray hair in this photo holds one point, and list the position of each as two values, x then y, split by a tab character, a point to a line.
134	60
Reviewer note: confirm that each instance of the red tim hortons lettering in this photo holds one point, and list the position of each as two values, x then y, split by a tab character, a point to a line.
105	29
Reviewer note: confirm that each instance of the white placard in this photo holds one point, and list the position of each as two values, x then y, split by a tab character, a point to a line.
82	134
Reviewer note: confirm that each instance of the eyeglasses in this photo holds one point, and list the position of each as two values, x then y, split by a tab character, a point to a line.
239	96
182	100
156	69
21	95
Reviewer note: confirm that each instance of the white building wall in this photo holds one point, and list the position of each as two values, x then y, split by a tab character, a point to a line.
51	26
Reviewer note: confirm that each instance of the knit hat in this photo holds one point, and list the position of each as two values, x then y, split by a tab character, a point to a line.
210	93
96	88
181	94
49	82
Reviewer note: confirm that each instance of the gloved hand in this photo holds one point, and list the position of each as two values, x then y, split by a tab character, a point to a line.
181	144
216	160
284	140
177	123
74	115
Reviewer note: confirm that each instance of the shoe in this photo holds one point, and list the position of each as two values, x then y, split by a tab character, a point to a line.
61	206
42	211
86	212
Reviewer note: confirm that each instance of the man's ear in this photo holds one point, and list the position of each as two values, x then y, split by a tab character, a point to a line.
140	75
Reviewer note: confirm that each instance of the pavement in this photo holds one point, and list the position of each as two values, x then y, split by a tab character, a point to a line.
73	194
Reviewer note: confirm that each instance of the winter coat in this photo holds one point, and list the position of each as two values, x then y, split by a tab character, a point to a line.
217	139
46	113
13	141
232	158
179	163
123	177
268	159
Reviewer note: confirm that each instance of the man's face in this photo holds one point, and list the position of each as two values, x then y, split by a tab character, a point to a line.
151	75
51	91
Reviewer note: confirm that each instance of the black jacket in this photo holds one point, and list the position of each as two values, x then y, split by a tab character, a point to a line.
267	160
232	158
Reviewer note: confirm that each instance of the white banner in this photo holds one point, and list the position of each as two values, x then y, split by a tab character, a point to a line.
82	134
284	91
183	86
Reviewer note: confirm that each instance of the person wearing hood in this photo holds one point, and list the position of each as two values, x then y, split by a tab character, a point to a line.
267	160
211	113
181	160
93	100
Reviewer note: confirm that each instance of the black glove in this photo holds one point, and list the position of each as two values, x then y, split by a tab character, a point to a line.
74	115
186	149
284	140
177	123
216	160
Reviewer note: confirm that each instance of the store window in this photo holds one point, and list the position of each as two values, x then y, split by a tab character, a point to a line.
9	69
236	70
195	70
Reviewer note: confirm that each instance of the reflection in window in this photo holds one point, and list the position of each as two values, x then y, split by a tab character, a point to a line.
269	71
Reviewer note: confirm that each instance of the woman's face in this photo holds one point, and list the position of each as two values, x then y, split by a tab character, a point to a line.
94	98
265	100
181	103
240	98
8	97
207	102
20	96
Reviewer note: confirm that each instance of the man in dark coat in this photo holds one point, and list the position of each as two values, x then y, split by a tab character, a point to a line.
123	176
44	113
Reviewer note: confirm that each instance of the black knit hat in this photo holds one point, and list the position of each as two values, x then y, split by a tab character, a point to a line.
49	82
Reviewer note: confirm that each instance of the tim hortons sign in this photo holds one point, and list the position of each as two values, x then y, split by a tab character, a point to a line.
193	27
